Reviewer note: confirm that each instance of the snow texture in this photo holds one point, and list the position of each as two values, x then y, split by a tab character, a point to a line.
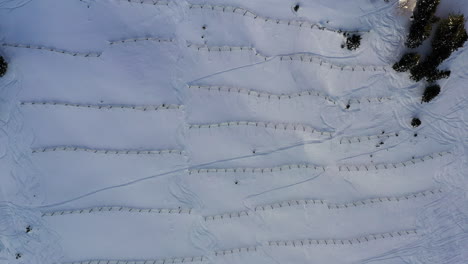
230	131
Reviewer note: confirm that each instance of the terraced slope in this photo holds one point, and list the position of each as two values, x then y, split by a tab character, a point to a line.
230	131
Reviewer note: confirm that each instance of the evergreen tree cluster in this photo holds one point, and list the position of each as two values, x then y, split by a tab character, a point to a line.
449	36
421	27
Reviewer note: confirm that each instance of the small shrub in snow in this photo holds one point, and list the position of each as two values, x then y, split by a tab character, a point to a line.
296	7
407	62
430	93
421	27
3	66
415	122
353	42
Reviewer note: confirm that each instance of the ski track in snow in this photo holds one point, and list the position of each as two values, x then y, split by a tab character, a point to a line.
388	33
444	225
344	168
264	207
40	242
183	194
13	4
359	139
20	180
340	167
303	57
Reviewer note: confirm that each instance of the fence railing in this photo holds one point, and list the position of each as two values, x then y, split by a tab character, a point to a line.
72	53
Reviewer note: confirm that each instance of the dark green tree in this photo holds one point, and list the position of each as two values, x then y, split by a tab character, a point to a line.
437	75
430	93
428	70
3	66
415	122
421	26
407	62
449	36
296	7
353	42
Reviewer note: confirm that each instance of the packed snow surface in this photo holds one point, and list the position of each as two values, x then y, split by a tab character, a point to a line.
229	131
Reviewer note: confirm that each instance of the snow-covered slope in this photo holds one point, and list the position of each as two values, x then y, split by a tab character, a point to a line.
230	131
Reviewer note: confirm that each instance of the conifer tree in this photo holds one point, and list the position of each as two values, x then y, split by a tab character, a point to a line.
415	122
430	93
421	26
449	36
407	62
3	66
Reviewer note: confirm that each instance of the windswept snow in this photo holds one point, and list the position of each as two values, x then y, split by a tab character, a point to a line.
230	131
